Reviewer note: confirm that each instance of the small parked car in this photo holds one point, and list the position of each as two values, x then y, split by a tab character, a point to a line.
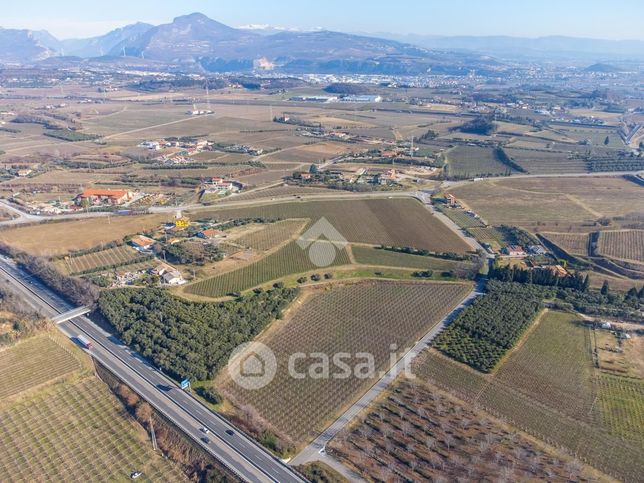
135	474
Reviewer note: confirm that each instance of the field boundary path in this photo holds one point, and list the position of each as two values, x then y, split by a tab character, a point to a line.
316	450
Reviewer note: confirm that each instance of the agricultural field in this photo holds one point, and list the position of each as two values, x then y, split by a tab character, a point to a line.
552	204
378	257
626	245
416	432
35	361
121	255
462	219
287	260
278	192
465	161
488	235
536	161
486	330
359	317
270	235
75	431
61	237
547	387
392	222
573	243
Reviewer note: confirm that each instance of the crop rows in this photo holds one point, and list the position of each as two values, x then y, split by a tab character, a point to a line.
548	388
392	222
75	433
33	362
96	260
573	243
375	256
365	317
621	405
286	261
489	235
471	161
462	219
417	433
628	245
270	235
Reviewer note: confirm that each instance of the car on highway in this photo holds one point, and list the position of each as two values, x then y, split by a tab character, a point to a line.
230	432
206	440
205	430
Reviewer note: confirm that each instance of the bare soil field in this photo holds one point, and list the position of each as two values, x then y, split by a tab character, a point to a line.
59	238
563	202
397	222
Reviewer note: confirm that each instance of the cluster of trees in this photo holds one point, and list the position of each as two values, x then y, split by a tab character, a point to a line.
517	236
626	164
428	136
604	302
484	331
79	291
23	321
425	253
483	125
70	135
346	88
246	221
181	254
189	339
502	156
540	276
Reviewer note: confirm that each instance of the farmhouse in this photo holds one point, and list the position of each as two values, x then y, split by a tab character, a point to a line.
141	242
514	251
209	233
172	277
450	199
94	196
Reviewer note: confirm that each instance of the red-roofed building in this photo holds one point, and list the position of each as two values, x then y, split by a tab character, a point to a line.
103	196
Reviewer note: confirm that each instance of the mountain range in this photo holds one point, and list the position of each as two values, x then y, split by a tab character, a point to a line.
196	42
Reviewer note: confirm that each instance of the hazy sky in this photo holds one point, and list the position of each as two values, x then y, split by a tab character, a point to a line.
614	19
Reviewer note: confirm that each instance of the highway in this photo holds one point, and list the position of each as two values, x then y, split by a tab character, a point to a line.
240	454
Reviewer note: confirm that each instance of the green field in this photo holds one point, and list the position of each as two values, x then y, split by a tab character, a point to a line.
285	261
375	256
473	161
548	387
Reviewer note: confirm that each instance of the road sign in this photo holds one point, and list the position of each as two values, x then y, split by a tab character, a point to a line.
185	384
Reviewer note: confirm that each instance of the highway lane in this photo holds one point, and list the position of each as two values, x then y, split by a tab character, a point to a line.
238	452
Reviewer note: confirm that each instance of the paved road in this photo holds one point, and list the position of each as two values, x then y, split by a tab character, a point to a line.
240	454
316	449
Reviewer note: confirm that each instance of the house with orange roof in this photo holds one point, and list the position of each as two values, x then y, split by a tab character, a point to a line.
94	196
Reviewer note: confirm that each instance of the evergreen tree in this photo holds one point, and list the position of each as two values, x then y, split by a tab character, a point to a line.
605	288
